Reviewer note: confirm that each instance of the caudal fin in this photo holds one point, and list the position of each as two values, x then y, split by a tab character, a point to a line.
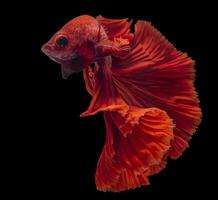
136	144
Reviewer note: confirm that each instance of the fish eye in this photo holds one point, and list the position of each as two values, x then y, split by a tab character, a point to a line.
61	41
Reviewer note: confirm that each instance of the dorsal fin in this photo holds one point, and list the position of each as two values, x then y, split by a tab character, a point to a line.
115	27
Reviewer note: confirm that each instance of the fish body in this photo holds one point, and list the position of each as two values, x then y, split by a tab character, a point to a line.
144	87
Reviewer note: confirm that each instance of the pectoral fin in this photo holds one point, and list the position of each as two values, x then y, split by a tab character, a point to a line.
116	47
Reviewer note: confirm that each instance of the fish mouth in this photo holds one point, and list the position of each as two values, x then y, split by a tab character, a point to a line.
57	60
48	50
61	60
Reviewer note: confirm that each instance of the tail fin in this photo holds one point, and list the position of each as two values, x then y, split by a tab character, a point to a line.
140	93
136	144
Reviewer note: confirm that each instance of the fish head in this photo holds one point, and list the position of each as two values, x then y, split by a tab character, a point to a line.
73	45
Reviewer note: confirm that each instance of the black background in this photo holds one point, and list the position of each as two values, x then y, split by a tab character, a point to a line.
56	150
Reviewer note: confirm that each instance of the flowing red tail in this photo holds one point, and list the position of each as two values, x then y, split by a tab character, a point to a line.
149	102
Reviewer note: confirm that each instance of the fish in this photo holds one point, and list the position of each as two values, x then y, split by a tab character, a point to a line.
143	85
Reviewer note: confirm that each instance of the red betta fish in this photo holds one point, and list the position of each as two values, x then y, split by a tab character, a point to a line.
143	86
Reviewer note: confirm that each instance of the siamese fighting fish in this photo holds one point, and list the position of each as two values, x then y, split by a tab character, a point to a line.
144	87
